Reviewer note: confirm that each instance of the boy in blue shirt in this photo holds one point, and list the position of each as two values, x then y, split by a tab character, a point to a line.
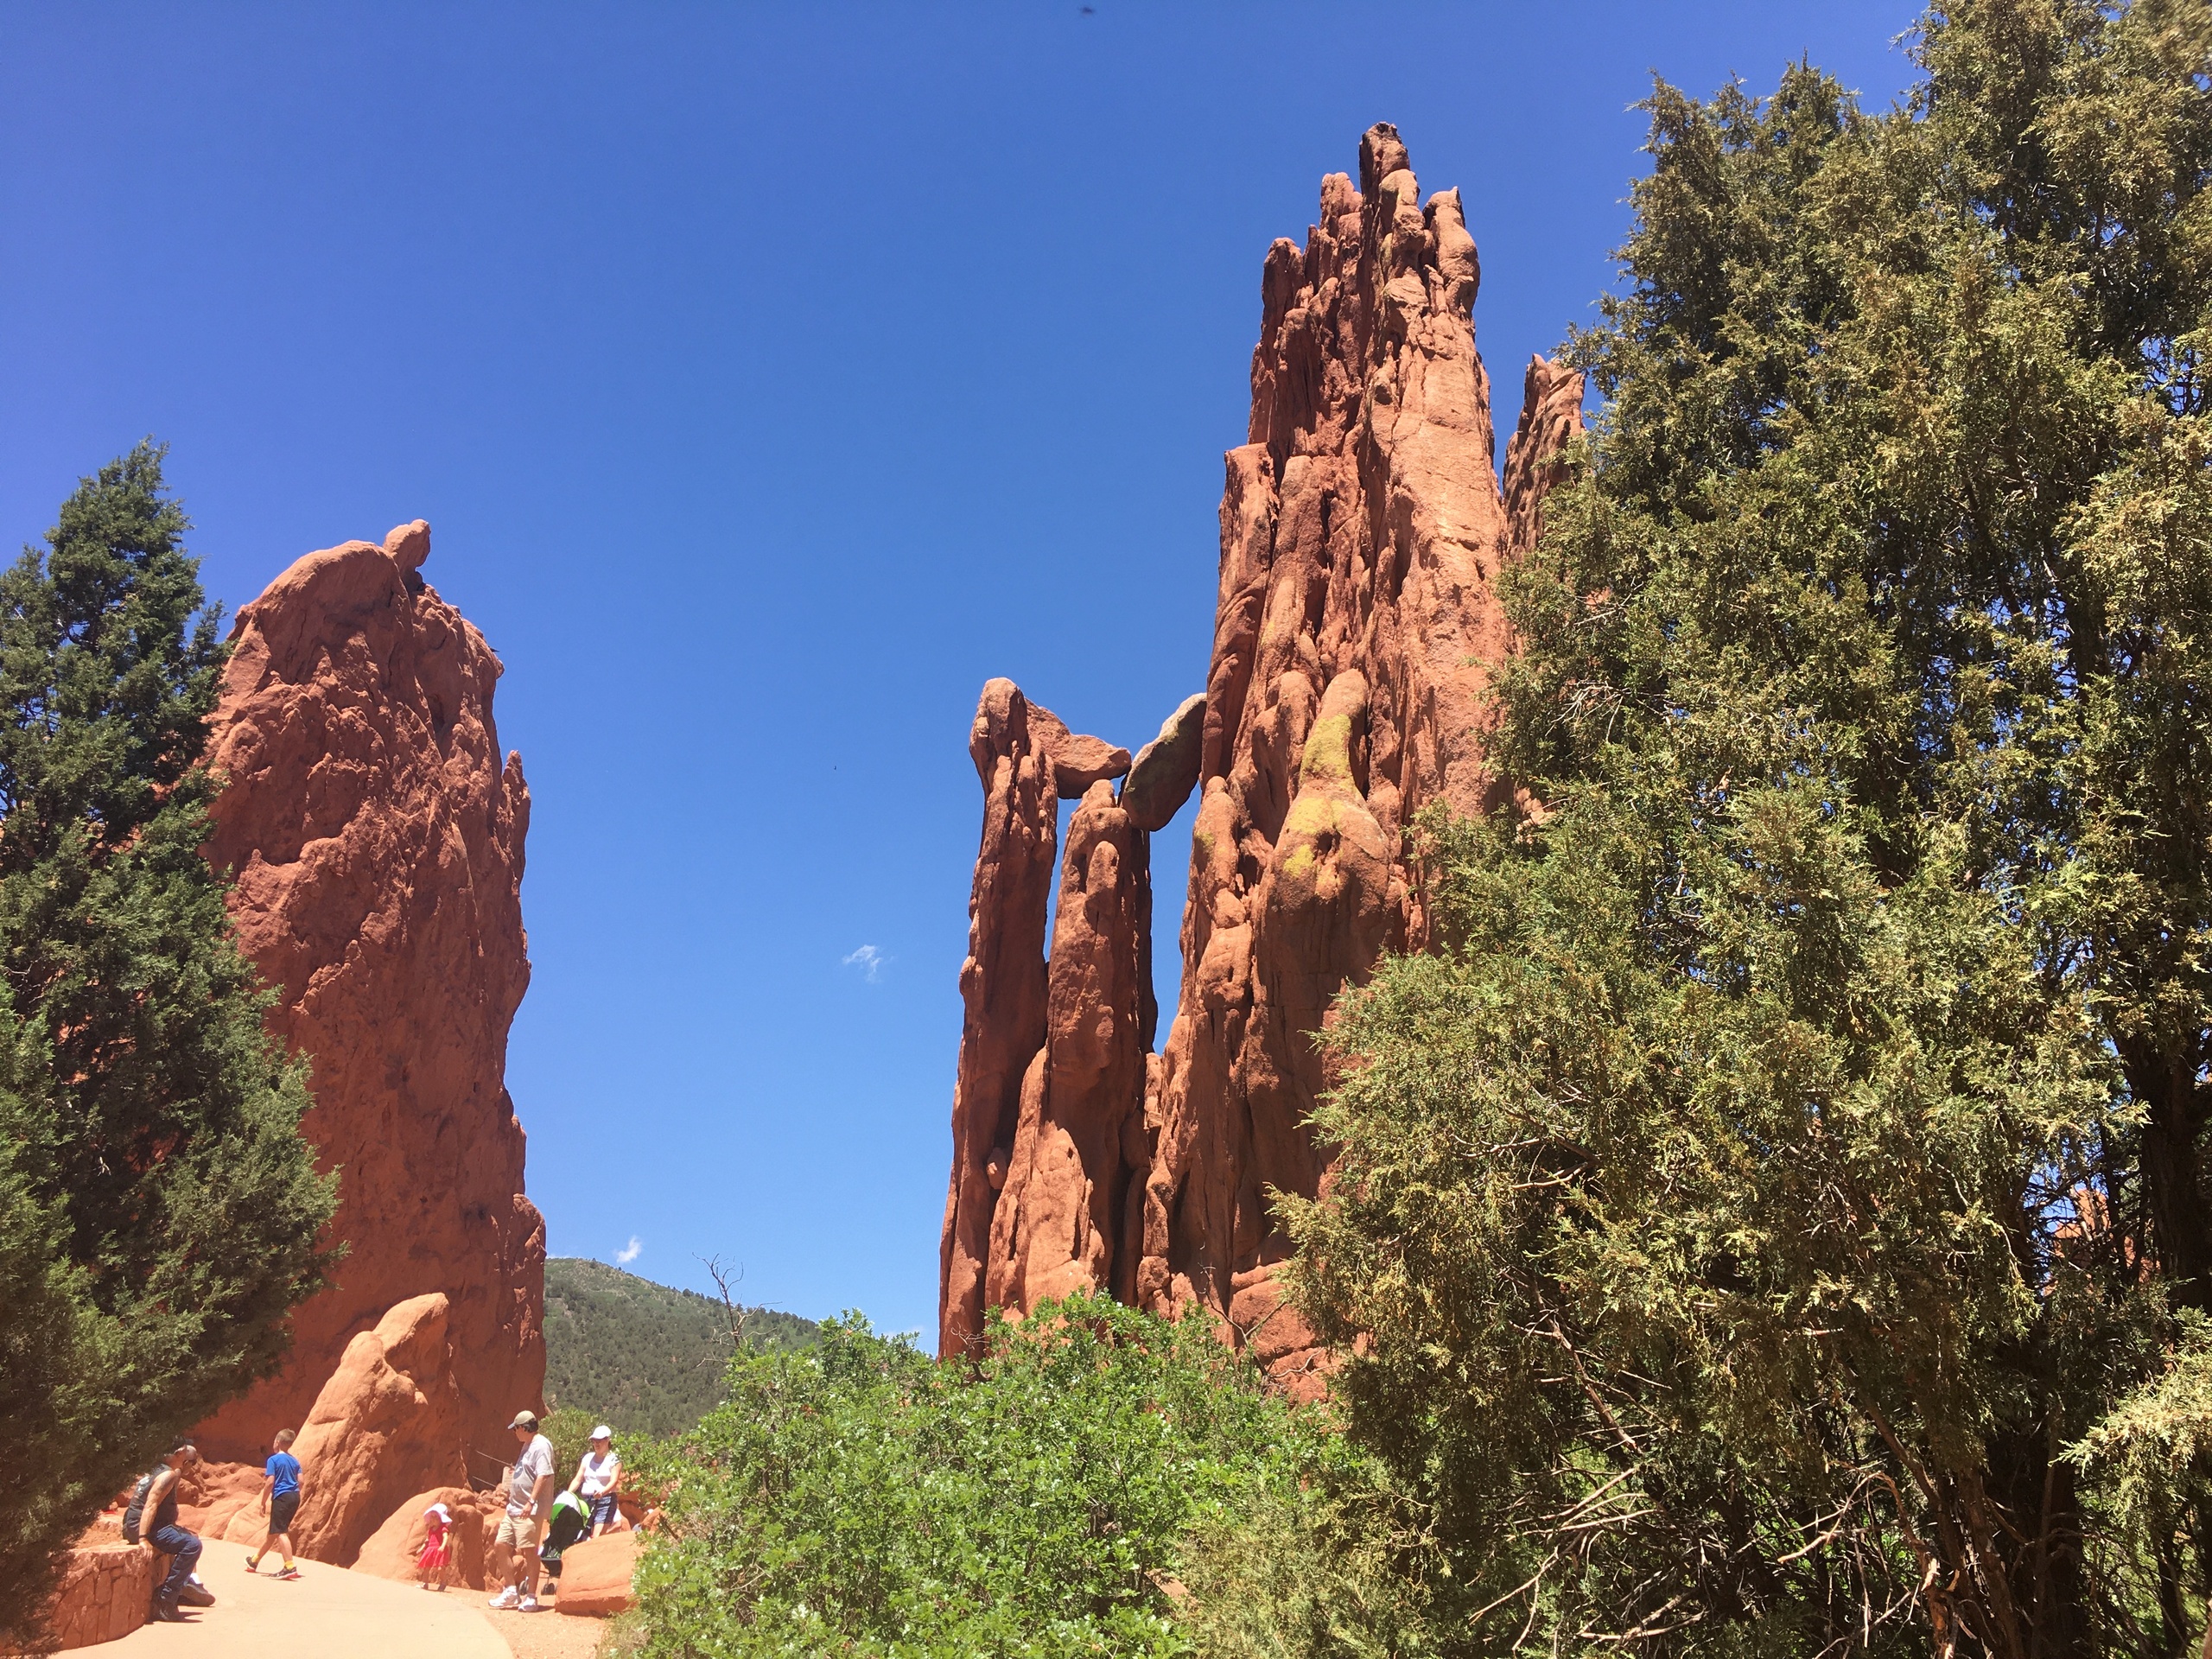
280	1496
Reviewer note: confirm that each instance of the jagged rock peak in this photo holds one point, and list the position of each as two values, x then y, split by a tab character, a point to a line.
1356	634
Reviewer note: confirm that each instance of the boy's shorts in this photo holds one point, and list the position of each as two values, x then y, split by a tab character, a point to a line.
282	1508
516	1532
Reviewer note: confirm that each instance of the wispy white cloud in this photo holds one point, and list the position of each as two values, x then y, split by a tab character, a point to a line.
869	960
628	1253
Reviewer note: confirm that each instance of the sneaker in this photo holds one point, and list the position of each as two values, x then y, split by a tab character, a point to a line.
289	1572
528	1605
506	1598
249	1566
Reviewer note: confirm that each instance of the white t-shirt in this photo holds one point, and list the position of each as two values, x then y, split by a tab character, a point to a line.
598	1473
535	1462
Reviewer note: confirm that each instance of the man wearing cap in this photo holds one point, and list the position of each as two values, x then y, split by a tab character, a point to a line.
597	1473
529	1494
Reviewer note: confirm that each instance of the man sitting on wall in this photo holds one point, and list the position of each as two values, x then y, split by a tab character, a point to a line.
157	1498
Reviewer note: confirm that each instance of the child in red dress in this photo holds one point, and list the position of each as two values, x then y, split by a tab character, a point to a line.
435	1564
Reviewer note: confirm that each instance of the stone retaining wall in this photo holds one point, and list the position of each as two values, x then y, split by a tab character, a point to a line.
105	1589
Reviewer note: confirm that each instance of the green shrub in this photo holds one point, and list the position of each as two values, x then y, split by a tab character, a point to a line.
159	1211
857	1498
570	1430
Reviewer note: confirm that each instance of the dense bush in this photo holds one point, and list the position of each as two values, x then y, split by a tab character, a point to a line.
1770	1226
857	1498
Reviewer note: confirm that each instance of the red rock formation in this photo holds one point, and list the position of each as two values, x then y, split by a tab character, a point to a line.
1551	418
1001	990
376	841
387	1423
1052	1065
212	1496
1065	1221
1357	632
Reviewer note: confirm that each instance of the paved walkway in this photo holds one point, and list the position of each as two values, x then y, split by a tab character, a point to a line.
326	1613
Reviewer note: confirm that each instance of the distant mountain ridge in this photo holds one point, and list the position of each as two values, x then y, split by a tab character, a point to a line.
643	1358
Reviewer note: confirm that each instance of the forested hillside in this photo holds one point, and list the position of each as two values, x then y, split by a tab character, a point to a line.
645	1358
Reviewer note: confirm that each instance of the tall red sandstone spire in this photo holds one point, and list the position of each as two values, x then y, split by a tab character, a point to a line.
1357	632
377	839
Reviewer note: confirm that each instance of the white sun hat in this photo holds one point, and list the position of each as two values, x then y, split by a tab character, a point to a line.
602	1432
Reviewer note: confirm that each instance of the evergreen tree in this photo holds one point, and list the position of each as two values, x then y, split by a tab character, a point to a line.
159	1211
1779	1224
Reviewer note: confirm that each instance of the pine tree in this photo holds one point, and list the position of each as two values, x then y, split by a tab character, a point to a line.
1768	1225
159	1211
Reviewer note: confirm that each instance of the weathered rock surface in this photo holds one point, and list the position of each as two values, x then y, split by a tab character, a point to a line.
1077	762
390	1550
1551	418
1065	1221
387	1423
212	1496
1002	988
1049	1143
377	839
1356	632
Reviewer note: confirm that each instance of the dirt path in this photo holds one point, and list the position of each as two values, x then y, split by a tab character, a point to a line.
329	1613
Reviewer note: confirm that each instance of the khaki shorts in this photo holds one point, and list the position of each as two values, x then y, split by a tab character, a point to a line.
517	1532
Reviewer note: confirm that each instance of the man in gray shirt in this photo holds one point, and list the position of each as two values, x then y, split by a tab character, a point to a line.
529	1493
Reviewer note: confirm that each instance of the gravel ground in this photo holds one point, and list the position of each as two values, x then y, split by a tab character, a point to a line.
542	1636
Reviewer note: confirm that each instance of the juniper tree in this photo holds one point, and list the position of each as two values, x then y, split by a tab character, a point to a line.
159	1211
1762	1220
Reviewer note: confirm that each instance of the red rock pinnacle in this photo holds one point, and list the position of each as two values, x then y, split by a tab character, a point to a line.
376	841
1357	631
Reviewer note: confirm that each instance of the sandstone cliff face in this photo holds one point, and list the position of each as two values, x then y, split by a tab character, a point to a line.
377	839
1356	632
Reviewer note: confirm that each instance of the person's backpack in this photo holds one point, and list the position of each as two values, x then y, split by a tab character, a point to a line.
135	1511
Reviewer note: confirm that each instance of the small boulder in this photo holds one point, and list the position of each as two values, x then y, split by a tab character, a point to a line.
408	545
595	1575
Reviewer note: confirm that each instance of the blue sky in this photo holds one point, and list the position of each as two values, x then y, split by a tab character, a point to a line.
770	377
